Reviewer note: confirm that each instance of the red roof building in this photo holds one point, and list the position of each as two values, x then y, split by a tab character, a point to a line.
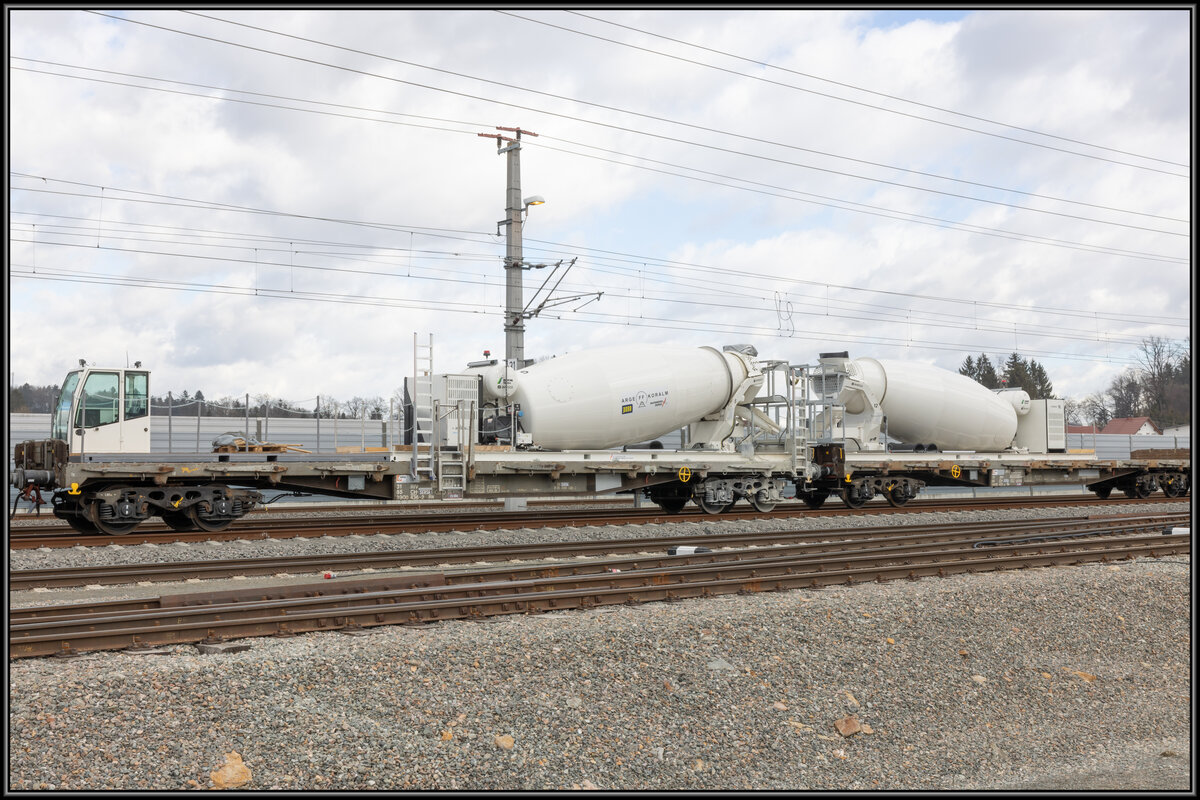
1133	426
1091	429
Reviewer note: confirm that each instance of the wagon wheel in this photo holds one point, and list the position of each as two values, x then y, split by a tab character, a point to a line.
1139	491
814	500
1171	487
858	500
671	498
760	503
179	521
710	508
105	526
896	496
671	505
1103	492
81	524
210	525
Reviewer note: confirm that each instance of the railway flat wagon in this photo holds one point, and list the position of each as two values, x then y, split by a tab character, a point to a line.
751	430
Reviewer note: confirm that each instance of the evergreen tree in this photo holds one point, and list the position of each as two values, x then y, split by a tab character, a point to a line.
1041	382
986	373
16	402
1016	374
969	369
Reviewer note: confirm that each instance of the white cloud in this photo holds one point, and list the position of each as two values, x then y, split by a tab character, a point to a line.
680	259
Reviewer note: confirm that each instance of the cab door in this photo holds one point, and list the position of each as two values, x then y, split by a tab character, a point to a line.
112	413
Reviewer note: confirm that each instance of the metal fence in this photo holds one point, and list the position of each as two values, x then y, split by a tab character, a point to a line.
182	434
1113	446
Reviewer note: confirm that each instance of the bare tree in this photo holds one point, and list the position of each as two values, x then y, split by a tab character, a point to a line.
354	407
1094	409
1157	359
330	407
377	407
1125	392
1073	411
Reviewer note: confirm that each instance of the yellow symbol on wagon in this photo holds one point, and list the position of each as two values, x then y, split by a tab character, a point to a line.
685	474
74	489
955	471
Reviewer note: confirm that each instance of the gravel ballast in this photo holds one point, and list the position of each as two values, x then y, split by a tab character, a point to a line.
1054	678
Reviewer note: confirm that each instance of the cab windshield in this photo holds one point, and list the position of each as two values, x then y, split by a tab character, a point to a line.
60	423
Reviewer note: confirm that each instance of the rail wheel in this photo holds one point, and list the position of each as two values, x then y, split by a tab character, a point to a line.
106	526
814	500
710	508
1103	492
760	503
671	497
180	522
1171	487
896	496
197	518
81	524
1139	491
853	499
672	506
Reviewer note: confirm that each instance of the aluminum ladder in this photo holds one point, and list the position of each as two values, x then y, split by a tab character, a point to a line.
452	474
423	467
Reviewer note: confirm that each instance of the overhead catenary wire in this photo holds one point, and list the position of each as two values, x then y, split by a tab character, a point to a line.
835	83
901	216
631	257
875	317
675	295
478	97
1046	331
473	125
615	266
613	319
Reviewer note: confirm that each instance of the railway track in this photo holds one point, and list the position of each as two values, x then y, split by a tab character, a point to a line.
815	541
265	526
419	599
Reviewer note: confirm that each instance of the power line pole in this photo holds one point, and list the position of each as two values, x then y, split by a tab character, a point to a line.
514	305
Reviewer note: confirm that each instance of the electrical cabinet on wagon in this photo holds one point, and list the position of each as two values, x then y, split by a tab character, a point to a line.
1044	428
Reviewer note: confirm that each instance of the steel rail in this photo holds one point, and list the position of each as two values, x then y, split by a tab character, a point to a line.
28	537
178	571
691	578
917	541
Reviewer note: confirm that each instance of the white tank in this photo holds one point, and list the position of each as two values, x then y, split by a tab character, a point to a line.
929	405
613	396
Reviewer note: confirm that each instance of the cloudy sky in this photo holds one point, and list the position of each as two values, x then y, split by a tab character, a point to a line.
275	202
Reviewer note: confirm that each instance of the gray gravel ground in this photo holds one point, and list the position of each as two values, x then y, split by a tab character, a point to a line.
1074	678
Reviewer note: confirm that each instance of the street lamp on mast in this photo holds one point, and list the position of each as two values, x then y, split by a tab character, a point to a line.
515	210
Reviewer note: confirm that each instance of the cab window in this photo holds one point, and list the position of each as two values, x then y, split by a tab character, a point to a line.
100	404
137	394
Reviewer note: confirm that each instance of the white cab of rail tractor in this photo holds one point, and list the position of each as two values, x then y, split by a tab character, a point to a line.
104	410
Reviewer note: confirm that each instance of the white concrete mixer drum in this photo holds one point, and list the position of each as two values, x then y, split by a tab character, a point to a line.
620	395
929	405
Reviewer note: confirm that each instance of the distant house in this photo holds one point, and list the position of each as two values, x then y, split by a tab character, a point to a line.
1089	429
1133	426
1178	430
